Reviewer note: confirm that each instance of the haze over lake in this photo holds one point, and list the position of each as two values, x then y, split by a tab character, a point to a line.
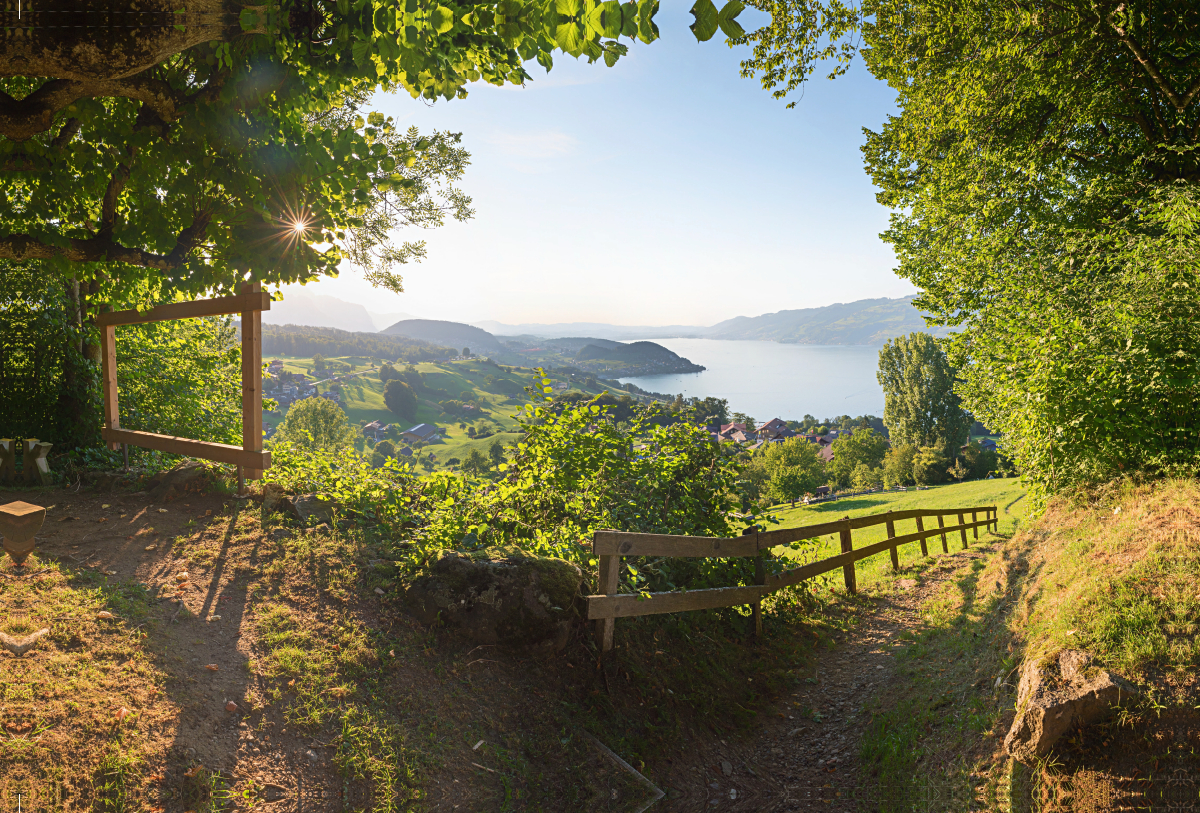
768	379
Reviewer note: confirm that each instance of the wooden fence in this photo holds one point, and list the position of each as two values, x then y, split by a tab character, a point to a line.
610	546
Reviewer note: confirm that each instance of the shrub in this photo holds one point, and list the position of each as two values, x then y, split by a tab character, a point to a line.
401	399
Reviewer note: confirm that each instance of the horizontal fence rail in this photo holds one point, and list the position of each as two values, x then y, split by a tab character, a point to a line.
610	546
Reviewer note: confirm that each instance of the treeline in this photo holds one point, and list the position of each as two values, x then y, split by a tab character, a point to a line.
302	340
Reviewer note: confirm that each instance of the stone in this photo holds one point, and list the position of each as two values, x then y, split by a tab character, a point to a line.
500	596
274	499
170	484
311	509
1055	698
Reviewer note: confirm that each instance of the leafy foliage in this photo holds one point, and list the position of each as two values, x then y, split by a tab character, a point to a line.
316	424
920	405
181	378
789	469
306	341
862	448
400	399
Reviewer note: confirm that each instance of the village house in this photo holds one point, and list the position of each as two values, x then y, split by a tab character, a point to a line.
422	433
775	429
375	430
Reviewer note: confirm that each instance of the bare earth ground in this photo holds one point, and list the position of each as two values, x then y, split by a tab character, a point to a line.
484	730
805	756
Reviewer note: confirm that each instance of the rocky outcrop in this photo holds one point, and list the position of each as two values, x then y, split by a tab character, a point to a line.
189	476
1054	698
500	596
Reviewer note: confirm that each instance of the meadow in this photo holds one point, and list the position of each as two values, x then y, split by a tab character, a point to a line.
1007	494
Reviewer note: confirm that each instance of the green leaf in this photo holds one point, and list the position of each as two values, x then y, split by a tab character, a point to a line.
725	19
248	20
629	19
647	30
612	19
545	60
706	20
568	8
360	51
442	19
570	39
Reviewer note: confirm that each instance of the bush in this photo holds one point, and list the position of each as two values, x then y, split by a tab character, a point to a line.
315	423
401	399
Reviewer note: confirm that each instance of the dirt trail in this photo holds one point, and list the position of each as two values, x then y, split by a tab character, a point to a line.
794	762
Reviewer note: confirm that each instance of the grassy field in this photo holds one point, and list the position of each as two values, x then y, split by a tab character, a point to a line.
1006	494
362	400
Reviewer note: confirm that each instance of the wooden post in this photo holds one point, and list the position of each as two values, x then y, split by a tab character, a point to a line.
975	530
848	568
760	577
995	520
962	521
108	379
921	530
942	524
610	569
891	531
28	467
252	431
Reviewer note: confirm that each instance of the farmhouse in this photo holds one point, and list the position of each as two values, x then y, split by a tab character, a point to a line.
375	430
422	433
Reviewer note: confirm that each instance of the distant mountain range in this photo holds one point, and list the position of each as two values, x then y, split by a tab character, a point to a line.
867	321
864	322
451	334
317	310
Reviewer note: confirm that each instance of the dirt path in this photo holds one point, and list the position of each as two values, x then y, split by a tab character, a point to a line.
806	756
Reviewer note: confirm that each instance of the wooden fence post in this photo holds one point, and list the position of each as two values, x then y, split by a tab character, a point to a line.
848	568
108	379
921	530
974	519
942	524
995	520
760	577
891	531
252	427
610	570
963	521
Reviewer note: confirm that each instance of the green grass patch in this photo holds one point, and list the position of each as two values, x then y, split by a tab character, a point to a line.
1007	494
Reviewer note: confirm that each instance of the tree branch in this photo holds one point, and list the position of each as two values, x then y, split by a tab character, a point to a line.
103	248
21	119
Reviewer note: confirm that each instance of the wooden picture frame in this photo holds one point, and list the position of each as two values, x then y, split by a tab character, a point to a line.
250	457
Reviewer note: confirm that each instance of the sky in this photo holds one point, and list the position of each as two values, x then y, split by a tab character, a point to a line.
664	190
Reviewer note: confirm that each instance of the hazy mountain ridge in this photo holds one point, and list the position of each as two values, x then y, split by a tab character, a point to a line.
866	321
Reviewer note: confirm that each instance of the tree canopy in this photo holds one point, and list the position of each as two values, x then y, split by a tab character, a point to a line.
920	405
231	142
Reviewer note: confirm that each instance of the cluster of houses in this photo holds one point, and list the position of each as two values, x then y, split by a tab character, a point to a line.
774	431
421	433
287	388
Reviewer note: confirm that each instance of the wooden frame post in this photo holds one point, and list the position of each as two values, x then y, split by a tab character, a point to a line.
610	570
891	532
974	519
252	431
921	530
963	521
108	372
848	568
942	525
251	457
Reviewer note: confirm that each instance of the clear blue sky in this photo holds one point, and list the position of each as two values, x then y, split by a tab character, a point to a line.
664	190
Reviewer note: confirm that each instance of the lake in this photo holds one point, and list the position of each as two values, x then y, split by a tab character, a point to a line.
767	380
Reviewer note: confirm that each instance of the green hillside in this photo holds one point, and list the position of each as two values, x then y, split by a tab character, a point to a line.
499	398
1008	495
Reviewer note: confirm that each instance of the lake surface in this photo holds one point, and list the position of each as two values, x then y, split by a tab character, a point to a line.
771	380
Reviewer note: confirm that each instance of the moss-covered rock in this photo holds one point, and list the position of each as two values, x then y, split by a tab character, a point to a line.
500	596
